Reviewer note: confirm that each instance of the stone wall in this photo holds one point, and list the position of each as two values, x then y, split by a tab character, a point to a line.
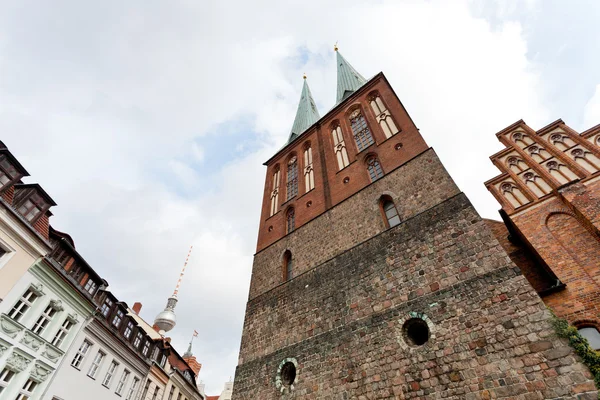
342	322
415	186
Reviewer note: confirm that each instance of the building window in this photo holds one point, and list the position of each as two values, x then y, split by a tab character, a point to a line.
5	376
374	168
118	318
275	191
391	213
96	364
171	392
163	360
155	353
44	320
90	287
179	396
360	130
62	333
592	335
155	395
76	272
292	178
24	304
146	348
112	369
137	340
83	349
27	391
290	220
132	389
339	147
32	207
105	310
128	330
7	172
309	173
383	117
122	382
288	266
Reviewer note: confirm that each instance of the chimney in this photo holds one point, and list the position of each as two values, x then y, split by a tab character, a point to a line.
137	307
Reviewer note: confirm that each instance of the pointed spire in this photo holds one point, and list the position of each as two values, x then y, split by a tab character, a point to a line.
306	115
348	79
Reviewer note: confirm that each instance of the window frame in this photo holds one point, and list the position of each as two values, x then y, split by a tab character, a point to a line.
361	132
122	381
96	364
18	311
6	375
62	332
132	388
26	391
82	352
110	373
44	320
374	168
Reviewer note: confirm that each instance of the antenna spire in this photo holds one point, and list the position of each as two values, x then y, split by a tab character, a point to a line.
182	272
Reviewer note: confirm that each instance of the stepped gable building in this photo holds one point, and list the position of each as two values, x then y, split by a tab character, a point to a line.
375	277
549	190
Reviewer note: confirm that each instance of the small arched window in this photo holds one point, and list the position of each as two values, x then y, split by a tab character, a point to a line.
309	173
592	335
290	220
275	191
292	178
374	168
360	130
288	266
390	212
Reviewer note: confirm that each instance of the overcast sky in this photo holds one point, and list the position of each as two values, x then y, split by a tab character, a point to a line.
148	121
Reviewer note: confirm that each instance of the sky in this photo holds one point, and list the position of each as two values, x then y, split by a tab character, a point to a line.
148	121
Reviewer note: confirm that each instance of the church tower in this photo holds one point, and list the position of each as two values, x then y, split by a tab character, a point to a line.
375	278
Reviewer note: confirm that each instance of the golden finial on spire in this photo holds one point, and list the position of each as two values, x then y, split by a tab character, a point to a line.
304	76
335	46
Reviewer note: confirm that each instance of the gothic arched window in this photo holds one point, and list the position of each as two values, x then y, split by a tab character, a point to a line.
374	168
390	212
288	266
292	178
275	191
290	220
309	173
339	147
360	130
384	118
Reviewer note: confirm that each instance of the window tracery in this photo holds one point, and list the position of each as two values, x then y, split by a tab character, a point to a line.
513	194
586	159
516	163
374	168
536	184
383	116
292	178
309	173
360	130
339	147
275	192
521	139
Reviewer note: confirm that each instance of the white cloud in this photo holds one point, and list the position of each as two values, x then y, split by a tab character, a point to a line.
591	115
105	109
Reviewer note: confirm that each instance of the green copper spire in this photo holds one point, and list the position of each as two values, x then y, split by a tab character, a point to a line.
306	115
348	79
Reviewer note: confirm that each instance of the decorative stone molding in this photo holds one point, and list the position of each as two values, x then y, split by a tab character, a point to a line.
32	340
73	318
3	347
40	373
10	326
52	353
37	289
56	305
283	388
17	362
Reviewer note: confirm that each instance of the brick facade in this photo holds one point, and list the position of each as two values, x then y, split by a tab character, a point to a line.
561	226
341	319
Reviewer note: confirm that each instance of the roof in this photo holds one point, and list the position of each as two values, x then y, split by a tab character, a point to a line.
212	397
306	115
38	188
348	79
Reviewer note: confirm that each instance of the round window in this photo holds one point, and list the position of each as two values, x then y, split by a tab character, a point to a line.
288	373
416	332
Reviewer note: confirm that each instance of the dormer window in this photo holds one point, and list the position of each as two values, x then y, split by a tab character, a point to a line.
7	172
118	318
106	307
90	287
33	207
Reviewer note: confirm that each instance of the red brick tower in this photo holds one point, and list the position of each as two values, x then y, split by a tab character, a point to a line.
549	190
375	278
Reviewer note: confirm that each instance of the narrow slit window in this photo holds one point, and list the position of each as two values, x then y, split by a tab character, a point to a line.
275	192
292	178
391	213
288	266
309	173
339	147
